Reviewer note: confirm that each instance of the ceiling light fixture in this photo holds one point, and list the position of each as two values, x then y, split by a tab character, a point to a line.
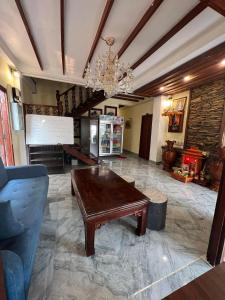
109	74
162	88
187	78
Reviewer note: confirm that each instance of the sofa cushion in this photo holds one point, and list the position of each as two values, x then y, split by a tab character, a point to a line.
28	197
13	275
3	174
9	226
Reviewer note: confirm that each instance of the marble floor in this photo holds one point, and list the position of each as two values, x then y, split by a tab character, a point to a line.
125	266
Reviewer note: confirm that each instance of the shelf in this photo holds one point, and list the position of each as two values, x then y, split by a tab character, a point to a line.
46	159
45	152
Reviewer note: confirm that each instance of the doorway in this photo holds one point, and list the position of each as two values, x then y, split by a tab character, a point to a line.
145	137
6	147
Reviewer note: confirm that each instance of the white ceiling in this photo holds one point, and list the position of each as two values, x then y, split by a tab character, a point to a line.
82	18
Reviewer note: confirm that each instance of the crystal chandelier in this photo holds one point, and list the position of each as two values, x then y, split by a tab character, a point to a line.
109	74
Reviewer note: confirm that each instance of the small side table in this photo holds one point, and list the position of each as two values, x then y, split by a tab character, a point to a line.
157	209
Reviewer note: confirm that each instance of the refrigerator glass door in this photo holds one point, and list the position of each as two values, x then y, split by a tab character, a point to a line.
117	138
105	132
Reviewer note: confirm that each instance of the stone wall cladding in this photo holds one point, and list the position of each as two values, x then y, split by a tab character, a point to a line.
205	117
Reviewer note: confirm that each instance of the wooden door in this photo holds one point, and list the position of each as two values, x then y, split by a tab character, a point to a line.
145	137
216	247
6	148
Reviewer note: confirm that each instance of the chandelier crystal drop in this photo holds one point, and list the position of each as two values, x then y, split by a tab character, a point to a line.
109	74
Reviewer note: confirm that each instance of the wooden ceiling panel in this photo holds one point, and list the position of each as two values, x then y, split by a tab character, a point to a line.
146	17
201	69
27	26
217	5
181	24
104	18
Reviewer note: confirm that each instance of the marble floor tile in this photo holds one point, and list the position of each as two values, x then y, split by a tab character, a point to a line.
124	263
166	286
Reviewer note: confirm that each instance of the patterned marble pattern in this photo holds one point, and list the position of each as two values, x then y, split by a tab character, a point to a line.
125	265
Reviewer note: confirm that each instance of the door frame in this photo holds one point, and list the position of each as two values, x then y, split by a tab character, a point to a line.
216	244
9	128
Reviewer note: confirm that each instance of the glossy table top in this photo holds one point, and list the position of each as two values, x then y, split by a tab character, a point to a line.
102	190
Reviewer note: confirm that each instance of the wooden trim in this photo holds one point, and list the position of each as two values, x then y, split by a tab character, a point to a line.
217	5
3	89
216	241
43	105
146	17
25	22
2	284
125	98
181	24
101	26
62	13
222	128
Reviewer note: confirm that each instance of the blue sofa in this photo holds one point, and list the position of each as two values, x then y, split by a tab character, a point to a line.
23	194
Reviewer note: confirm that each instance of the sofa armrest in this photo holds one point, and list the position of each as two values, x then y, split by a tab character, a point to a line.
26	172
2	282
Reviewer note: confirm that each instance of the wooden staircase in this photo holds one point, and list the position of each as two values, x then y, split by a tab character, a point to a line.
77	100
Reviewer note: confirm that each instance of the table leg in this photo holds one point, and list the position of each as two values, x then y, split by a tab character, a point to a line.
142	222
72	189
90	238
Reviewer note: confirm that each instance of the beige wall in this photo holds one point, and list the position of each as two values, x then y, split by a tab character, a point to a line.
178	136
112	102
7	80
44	92
135	113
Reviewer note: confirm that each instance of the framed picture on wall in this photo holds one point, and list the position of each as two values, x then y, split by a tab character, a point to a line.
110	110
95	112
179	104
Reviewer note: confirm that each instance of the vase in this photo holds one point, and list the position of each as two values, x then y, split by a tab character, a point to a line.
169	156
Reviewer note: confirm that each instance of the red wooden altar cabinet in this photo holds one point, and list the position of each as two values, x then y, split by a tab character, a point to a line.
193	158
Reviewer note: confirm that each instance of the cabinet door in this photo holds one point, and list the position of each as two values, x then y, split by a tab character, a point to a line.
117	138
104	138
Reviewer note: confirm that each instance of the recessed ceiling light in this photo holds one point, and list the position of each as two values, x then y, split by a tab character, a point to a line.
187	78
223	62
162	88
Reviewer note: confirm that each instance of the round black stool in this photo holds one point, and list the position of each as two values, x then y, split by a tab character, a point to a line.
157	209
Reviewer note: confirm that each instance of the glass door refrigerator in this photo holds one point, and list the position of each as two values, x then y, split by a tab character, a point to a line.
110	135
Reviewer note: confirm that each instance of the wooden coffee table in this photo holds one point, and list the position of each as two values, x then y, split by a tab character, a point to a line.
103	196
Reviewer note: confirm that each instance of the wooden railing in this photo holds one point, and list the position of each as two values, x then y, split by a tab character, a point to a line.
70	101
40	109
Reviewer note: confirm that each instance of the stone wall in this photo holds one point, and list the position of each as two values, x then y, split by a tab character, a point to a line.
205	116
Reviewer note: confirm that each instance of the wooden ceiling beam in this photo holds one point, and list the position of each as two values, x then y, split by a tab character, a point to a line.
101	26
217	5
62	12
146	17
212	56
195	73
125	99
27	27
181	24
